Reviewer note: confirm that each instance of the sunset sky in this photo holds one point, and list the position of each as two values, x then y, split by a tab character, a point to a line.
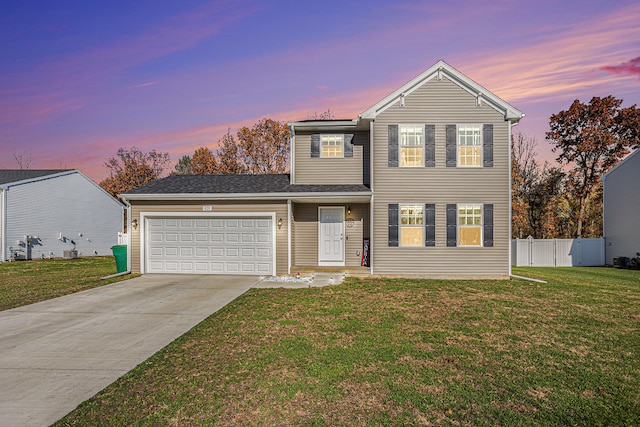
79	79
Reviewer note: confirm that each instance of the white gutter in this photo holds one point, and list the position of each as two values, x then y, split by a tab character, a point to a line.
326	123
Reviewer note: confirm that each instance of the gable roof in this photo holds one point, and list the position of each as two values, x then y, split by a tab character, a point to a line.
236	186
620	163
438	70
10	176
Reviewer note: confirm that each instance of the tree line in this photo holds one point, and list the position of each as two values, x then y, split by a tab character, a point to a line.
548	201
565	200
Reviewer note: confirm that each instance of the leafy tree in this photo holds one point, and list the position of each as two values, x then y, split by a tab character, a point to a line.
183	167
203	162
325	115
592	138
536	190
131	168
261	149
227	155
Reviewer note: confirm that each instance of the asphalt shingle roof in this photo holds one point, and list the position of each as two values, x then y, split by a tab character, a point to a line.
237	184
8	176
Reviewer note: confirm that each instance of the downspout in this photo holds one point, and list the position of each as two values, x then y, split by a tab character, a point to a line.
510	202
3	224
129	233
292	160
371	180
289	218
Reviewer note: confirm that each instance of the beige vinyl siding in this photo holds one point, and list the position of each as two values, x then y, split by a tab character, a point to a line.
441	103
280	210
305	240
317	170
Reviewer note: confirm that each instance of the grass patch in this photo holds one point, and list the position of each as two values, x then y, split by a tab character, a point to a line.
27	282
378	352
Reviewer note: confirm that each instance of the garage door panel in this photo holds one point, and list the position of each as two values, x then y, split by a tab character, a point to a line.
209	245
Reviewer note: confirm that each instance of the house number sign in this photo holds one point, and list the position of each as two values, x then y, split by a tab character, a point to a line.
207	208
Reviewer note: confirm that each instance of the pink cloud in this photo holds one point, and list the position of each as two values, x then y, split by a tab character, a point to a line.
321	87
143	85
561	66
630	67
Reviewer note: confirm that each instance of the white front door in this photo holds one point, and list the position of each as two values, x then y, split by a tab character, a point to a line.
331	236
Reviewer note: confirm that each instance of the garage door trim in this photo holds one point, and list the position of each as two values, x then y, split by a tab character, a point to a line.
146	215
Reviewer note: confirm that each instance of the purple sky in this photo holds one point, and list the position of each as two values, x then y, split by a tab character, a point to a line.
79	79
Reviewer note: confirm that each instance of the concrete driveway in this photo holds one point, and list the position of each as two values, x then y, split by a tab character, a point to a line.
58	353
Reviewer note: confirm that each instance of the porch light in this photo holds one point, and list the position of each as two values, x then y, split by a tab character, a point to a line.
279	223
134	224
348	210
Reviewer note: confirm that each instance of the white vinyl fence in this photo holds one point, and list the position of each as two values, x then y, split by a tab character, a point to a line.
557	252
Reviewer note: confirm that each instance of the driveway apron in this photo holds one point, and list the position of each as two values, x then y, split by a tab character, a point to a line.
58	353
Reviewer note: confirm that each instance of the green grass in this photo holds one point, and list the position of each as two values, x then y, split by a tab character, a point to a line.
27	282
393	352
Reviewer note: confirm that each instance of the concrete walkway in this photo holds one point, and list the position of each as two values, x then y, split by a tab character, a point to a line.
56	354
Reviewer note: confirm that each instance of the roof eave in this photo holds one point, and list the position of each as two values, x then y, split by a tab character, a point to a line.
245	196
438	70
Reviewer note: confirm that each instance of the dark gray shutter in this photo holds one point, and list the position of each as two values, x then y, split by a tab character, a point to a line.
487	146
429	145
430	224
451	146
348	145
487	224
393	224
452	225
393	146
315	145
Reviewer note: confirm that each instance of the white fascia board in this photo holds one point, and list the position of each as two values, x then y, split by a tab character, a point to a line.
242	196
441	68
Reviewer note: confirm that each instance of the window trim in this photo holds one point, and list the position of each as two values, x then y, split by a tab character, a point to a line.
341	156
422	144
459	226
401	226
480	145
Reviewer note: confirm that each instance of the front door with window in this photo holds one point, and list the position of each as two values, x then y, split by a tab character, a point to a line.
331	236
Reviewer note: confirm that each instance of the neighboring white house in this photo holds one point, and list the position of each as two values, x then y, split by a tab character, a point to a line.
621	205
51	213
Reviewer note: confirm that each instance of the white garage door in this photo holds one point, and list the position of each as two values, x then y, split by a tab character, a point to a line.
210	245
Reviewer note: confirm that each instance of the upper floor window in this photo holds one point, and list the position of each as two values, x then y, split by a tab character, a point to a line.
470	225
331	145
469	145
411	145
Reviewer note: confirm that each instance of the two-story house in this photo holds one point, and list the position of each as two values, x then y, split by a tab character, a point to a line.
417	185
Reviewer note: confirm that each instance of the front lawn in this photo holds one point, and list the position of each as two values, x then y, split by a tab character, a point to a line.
399	352
26	282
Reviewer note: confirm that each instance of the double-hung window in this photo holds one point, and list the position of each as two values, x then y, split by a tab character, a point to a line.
411	145
469	225
331	145
411	225
469	145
